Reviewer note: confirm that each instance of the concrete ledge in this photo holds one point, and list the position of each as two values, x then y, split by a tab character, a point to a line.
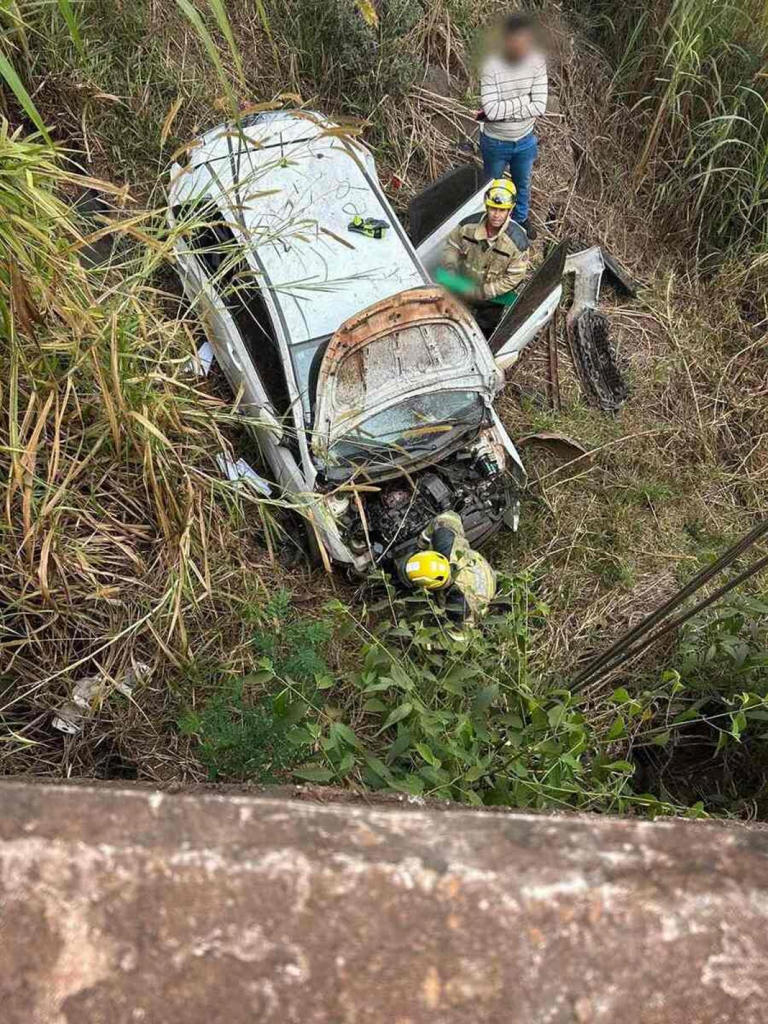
127	905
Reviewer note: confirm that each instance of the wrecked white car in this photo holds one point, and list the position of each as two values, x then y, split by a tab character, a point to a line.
374	389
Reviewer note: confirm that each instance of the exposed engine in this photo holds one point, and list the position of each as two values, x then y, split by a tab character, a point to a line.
472	482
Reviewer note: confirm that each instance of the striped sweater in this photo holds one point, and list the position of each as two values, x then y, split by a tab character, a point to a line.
513	96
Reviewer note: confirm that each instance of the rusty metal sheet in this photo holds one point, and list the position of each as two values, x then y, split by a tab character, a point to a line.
417	341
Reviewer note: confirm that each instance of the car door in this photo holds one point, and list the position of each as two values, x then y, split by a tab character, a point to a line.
533	310
237	324
436	211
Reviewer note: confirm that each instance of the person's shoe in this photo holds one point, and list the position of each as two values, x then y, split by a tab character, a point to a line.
530	230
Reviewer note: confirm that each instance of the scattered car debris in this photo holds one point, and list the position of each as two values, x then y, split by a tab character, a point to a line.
241	472
199	365
595	360
371	227
561	445
620	276
90	692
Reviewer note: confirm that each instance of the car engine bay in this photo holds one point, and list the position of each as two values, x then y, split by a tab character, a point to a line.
474	482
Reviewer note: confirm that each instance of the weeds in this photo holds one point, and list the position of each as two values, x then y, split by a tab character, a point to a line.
692	72
423	710
112	544
120	543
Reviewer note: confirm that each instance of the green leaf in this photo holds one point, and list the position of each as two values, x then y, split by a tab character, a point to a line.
428	754
410	784
70	17
258	678
382	684
193	16
401	743
343	732
686	716
400	677
472	798
621	696
374	704
295	711
324	682
220	14
485	697
397	715
314	773
618	729
738	724
379	768
13	81
299	736
621	766
556	715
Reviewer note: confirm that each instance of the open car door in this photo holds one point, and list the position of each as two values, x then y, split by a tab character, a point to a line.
436	211
534	308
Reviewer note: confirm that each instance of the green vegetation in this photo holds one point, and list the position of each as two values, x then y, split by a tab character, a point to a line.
120	543
693	73
432	712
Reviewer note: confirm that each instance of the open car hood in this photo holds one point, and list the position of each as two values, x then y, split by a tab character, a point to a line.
417	341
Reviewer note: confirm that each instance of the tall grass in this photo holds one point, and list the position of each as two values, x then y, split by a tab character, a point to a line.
112	547
693	72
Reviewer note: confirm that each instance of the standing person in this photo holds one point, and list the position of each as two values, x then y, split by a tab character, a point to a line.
513	92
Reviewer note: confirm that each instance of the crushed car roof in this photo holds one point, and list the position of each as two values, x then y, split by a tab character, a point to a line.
291	184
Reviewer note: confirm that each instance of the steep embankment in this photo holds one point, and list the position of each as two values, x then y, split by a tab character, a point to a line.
121	546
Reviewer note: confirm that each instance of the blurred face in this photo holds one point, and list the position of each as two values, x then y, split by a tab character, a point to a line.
496	218
519	45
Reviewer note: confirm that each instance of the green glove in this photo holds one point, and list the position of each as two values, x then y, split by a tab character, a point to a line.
453	282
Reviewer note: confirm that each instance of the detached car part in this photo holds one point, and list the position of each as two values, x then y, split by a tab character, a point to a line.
595	360
589	334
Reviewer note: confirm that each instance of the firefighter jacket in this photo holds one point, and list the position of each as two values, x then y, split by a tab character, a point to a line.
498	265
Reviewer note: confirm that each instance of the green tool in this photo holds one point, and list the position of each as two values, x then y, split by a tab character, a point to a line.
368	226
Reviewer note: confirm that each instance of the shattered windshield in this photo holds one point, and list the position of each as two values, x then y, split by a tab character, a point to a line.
418	424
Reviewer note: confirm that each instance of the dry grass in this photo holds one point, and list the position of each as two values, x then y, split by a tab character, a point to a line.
119	543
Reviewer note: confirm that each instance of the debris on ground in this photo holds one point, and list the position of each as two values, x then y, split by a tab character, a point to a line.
595	360
242	473
90	692
200	364
562	446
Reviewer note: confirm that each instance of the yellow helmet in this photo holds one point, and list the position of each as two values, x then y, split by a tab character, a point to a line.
501	194
428	569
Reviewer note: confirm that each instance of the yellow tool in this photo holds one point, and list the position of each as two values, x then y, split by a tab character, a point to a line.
368	226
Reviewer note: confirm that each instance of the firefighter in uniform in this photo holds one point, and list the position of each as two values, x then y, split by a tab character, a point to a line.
445	563
491	250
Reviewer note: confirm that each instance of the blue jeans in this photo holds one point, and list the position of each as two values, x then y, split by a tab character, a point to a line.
520	156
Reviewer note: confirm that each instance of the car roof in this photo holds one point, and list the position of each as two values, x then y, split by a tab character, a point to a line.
291	183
